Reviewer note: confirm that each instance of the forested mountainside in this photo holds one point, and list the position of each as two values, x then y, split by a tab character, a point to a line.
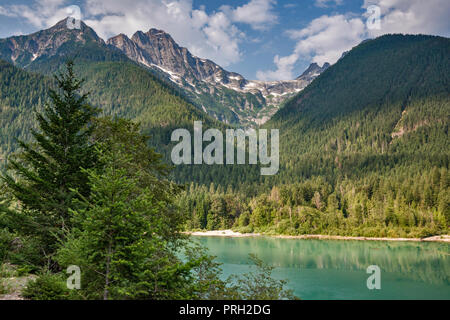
20	92
227	96
118	88
364	150
385	104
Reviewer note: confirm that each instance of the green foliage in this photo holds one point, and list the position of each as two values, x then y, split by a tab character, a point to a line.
6	236
259	284
369	208
46	171
210	209
93	190
20	92
383	108
17	248
364	150
125	236
47	287
6	239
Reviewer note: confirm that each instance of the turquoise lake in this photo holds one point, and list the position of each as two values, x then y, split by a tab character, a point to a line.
336	269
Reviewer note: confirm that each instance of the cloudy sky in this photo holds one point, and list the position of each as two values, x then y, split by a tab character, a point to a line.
261	39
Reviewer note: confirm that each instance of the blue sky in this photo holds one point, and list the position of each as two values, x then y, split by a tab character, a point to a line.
261	39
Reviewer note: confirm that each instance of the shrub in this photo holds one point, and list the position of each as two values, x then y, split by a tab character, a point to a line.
6	239
4	287
24	270
25	251
47	287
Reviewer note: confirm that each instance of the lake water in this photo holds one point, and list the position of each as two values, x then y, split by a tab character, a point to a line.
336	269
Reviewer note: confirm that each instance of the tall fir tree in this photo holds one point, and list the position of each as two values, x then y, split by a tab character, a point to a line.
44	174
125	236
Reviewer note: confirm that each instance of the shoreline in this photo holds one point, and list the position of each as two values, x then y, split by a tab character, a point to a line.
232	234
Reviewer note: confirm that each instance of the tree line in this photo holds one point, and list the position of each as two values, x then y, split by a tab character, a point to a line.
89	191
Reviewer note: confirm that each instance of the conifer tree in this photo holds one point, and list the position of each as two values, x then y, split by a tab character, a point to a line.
124	235
42	176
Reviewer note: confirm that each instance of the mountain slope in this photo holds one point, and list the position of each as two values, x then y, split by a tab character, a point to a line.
313	71
384	105
20	92
364	151
119	88
27	49
225	95
228	96
127	90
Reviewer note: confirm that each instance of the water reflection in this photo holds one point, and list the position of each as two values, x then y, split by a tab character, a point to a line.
425	262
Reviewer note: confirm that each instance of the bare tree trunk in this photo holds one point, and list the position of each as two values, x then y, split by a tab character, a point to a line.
290	214
108	262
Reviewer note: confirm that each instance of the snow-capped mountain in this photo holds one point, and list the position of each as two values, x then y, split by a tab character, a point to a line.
226	95
157	49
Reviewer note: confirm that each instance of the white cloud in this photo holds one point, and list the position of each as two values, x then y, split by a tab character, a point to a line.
327	3
327	37
257	13
412	16
323	40
211	36
5	12
283	71
214	35
41	14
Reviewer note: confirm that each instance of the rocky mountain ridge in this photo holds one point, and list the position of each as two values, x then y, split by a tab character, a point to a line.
225	95
156	48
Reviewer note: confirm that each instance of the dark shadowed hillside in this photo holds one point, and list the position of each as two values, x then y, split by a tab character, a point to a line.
384	104
364	150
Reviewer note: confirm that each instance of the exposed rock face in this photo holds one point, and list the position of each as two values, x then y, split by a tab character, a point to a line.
23	50
227	96
156	48
313	71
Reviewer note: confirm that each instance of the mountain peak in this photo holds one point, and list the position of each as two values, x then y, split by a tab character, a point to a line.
23	50
119	40
199	77
71	27
157	32
120	35
151	36
63	22
313	71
